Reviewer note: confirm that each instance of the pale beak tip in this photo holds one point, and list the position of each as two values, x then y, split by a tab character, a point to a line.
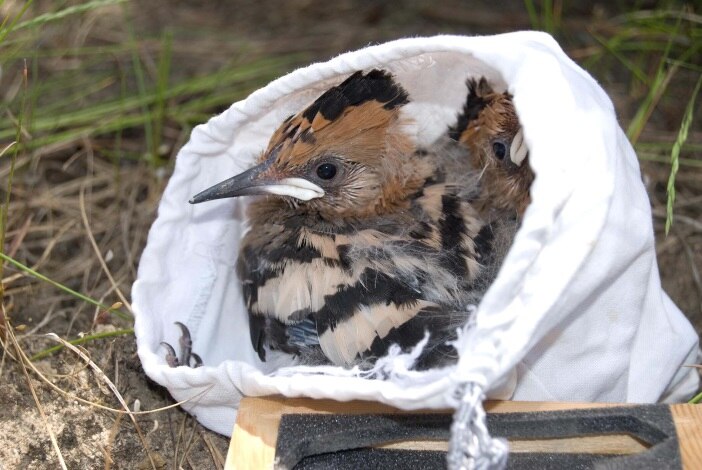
197	199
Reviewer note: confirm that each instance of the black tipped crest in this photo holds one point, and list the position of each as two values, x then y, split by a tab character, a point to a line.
376	85
475	102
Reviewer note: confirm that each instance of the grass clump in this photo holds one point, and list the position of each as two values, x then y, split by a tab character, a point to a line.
87	115
660	52
93	111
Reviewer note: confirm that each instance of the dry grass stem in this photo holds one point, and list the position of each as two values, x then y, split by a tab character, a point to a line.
99	256
112	387
218	459
70	396
110	442
40	408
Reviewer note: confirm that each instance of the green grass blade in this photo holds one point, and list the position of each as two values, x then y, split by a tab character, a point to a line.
614	47
220	88
83	339
141	89
691	162
533	15
656	90
60	286
61	14
6	29
164	68
4	210
675	153
547	16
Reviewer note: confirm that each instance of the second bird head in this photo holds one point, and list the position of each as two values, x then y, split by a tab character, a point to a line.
489	127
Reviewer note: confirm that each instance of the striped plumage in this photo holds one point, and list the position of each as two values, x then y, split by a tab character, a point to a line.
361	240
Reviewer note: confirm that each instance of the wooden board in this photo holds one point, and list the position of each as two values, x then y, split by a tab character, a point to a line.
688	423
256	431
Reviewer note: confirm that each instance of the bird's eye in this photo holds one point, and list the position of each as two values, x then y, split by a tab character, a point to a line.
500	150
326	171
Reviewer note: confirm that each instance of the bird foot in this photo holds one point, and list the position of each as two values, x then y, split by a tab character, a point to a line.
187	356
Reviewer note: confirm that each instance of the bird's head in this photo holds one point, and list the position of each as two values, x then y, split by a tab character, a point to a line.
489	125
347	154
490	128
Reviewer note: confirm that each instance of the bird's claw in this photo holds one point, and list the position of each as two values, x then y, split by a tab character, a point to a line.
185	342
171	358
187	356
197	360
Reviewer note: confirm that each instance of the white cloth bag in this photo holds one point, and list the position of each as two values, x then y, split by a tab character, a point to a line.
577	312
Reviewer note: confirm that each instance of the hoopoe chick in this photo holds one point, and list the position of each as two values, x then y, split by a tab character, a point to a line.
489	127
360	240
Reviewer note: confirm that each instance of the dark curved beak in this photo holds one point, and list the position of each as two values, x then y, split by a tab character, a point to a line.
244	184
255	181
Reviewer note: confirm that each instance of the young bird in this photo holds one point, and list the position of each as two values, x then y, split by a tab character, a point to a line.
489	127
360	240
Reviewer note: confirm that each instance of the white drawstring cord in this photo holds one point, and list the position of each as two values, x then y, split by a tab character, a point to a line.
471	447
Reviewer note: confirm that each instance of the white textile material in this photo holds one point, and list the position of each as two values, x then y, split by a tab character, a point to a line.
577	312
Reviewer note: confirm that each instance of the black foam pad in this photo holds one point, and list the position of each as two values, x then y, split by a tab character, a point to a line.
345	441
